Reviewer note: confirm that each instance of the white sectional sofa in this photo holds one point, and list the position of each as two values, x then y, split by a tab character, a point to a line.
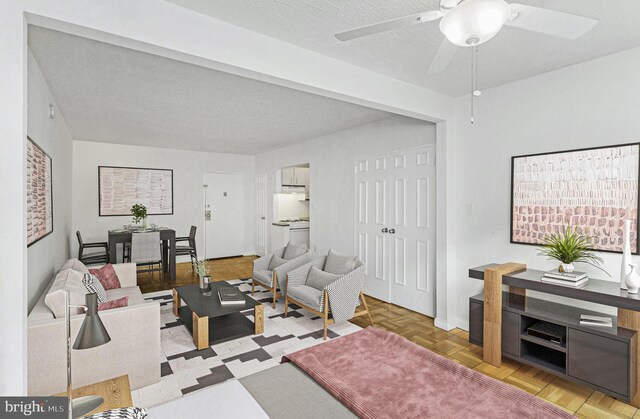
134	348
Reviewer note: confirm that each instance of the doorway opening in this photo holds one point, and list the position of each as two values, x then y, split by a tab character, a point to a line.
291	203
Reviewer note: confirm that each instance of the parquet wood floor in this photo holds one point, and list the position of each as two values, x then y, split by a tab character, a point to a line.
579	400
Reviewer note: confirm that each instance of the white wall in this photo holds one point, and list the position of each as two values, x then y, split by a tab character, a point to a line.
52	135
188	176
590	104
331	162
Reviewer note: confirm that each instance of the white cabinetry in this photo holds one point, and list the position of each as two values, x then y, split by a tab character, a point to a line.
294	176
288	176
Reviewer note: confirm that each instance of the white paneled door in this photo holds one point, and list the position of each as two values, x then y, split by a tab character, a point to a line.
224	214
261	214
395	226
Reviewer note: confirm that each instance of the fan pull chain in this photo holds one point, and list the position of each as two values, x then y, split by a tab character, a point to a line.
474	80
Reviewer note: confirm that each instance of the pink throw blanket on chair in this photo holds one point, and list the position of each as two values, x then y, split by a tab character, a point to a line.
378	374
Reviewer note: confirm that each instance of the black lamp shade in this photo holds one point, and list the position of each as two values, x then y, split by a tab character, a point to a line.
92	332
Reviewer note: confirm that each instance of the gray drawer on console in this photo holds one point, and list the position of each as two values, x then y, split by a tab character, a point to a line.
599	360
476	319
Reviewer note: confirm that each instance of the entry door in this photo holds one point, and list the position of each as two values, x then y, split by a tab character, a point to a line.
399	240
225	209
261	214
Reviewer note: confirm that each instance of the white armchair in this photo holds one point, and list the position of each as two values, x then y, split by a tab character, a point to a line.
329	285
270	271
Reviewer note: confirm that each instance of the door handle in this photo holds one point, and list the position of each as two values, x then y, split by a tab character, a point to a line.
392	231
207	215
385	230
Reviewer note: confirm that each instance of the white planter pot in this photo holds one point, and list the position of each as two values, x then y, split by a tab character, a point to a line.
566	267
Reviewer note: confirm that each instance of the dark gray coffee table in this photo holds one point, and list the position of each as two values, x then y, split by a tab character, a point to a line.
209	321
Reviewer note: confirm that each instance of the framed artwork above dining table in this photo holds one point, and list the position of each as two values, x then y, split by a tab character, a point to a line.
119	188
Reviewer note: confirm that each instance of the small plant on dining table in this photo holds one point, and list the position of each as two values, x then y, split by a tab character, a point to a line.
139	212
570	247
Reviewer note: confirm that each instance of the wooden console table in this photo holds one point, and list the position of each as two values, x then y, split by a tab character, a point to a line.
116	393
519	279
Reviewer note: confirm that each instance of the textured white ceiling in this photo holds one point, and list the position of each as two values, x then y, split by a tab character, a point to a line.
406	53
117	95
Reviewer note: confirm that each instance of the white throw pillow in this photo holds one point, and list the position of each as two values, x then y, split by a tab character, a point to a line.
339	264
66	280
294	250
76	265
276	261
319	279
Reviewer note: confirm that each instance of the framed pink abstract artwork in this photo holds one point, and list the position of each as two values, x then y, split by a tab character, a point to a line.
39	193
594	190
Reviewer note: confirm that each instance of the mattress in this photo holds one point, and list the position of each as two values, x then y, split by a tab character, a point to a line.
285	391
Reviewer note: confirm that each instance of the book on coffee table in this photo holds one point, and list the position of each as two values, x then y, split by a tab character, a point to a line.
230	295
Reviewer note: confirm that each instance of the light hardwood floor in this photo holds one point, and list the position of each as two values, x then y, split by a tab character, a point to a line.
579	400
219	269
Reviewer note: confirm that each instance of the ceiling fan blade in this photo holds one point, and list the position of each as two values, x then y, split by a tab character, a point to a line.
389	25
550	22
443	57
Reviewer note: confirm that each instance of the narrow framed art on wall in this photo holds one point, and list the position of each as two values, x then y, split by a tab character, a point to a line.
593	189
39	193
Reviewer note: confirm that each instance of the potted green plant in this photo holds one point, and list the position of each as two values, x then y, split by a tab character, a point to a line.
568	248
202	269
139	213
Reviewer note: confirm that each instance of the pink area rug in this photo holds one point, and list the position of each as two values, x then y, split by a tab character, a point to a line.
378	374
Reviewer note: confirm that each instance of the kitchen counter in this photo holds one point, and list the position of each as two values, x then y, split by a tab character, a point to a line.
282	224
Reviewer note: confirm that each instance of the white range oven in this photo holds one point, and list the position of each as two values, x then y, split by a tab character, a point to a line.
299	232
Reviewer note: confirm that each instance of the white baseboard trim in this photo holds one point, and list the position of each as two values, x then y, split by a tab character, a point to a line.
442	325
249	254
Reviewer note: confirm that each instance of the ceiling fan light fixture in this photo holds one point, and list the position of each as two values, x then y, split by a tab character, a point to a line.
474	22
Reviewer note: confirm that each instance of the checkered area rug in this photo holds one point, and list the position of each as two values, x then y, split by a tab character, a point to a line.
185	369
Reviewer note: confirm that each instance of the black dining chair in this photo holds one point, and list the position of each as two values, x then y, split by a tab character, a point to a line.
95	257
126	252
191	248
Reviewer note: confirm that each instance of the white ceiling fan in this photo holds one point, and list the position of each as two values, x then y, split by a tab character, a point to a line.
468	23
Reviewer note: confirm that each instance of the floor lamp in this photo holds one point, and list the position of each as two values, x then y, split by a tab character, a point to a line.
207	217
92	333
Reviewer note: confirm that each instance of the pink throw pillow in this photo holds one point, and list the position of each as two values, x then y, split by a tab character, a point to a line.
107	277
117	303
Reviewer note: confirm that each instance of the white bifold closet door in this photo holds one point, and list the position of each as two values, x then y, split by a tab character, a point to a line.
395	226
